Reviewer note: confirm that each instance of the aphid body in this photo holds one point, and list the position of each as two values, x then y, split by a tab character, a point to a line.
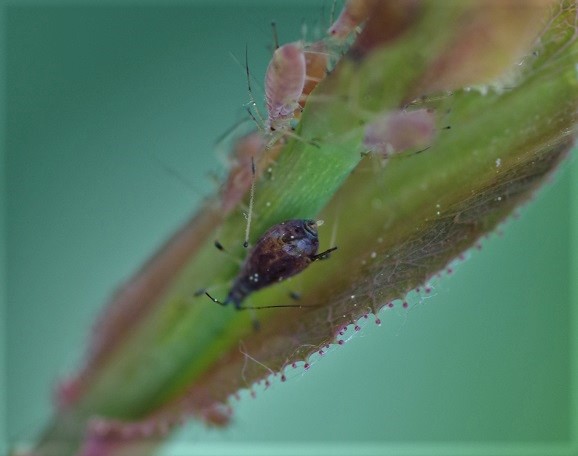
396	131
284	250
316	62
284	82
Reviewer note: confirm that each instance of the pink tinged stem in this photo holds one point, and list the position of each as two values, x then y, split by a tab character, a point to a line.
284	82
133	301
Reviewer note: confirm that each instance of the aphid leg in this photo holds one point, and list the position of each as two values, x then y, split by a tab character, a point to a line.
294	295
280	134
251	198
255	322
221	248
180	177
275	36
222	144
258	121
199	292
215	300
252	101
323	255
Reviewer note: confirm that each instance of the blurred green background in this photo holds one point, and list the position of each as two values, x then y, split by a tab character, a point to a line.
104	101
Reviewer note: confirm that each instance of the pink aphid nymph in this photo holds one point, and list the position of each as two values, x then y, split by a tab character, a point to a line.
284	82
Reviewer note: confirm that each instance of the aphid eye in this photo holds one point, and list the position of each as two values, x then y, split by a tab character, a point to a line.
289	237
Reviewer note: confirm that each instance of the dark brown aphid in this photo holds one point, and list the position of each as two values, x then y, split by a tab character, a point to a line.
283	251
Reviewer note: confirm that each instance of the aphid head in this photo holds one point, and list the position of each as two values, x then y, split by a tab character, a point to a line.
310	226
300	237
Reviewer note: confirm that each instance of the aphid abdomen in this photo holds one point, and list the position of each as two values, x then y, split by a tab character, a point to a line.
238	293
284	82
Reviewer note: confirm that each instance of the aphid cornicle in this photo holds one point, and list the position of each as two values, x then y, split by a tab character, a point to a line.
286	249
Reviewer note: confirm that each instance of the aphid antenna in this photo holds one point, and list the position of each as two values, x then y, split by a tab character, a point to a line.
242	66
178	175
403	155
251	198
304	30
229	131
252	101
332	12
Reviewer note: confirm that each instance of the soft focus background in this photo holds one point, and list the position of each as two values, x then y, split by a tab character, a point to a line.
113	114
